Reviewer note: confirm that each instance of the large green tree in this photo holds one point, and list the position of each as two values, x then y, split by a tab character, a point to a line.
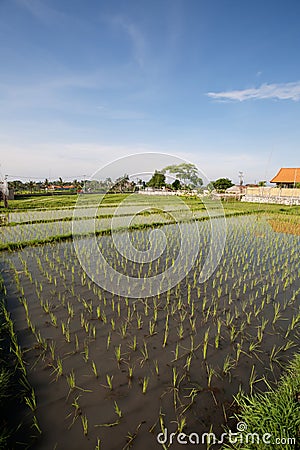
176	185
123	184
221	184
187	173
16	185
157	181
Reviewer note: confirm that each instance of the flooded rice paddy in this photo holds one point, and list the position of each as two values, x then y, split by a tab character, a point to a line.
113	371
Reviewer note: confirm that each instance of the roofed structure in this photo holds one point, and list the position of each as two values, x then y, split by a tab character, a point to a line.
287	177
237	189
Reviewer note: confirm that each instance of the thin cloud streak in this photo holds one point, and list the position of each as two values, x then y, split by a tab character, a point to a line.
283	91
42	12
54	92
134	34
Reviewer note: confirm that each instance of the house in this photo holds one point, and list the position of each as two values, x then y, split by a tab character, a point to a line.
287	177
54	187
286	191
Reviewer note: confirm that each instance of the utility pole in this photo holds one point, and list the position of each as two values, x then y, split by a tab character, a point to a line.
241	177
5	192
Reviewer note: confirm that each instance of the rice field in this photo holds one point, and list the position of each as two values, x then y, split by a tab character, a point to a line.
36	225
112	370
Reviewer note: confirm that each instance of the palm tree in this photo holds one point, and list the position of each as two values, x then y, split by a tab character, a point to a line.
77	185
46	184
31	185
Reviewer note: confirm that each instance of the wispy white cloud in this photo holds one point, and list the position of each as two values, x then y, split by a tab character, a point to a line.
134	34
282	91
44	12
54	91
41	11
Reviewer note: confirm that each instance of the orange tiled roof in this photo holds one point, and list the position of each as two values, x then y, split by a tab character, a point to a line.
287	175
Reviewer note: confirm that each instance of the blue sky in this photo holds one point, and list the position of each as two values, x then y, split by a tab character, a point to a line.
216	82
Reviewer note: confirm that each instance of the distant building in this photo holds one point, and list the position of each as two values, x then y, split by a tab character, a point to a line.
54	187
286	191
287	177
236	189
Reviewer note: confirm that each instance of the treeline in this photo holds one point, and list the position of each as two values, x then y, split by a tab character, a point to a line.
183	176
44	186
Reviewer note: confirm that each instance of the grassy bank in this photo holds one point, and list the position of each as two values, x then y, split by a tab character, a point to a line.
68	201
30	202
274	414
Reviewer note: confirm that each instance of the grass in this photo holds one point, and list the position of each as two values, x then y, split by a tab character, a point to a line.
68	201
52	201
276	412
